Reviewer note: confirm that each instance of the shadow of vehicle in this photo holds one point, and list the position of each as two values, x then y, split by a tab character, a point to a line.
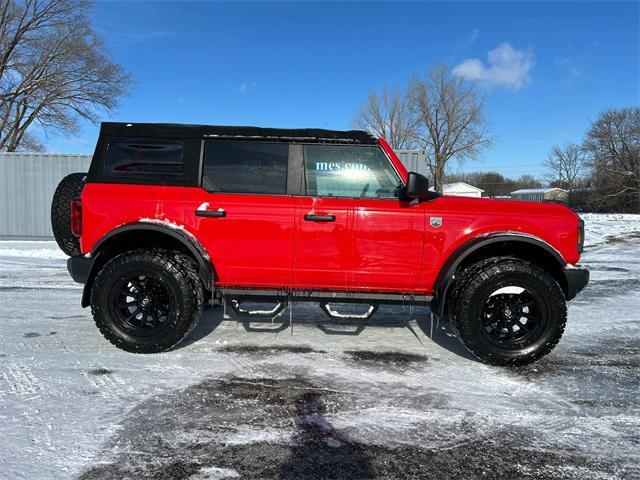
210	319
444	336
308	314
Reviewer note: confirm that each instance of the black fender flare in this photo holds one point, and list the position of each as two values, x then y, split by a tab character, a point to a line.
205	266
448	270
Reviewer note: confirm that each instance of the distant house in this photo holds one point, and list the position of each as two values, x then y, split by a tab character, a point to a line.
540	195
461	189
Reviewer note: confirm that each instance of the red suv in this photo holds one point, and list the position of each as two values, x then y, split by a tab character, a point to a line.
171	218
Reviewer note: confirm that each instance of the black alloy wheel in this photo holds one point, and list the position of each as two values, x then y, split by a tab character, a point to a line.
143	304
513	317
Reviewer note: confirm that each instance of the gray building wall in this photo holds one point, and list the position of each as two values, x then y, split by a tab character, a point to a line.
560	196
414	161
27	183
528	197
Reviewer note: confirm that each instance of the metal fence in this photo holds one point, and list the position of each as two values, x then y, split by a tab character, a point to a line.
27	183
28	180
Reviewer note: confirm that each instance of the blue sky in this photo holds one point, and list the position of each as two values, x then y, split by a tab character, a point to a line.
548	68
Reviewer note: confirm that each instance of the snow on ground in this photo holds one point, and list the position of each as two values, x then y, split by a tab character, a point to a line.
31	249
261	400
609	227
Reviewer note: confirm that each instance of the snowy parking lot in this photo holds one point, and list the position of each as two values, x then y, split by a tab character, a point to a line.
262	400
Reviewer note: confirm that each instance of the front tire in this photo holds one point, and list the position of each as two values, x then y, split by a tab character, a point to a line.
508	311
147	301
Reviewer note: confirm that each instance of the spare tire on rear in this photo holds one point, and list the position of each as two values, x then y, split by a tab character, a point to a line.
68	189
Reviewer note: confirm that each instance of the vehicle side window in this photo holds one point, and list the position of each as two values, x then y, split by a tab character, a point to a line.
144	159
349	171
246	167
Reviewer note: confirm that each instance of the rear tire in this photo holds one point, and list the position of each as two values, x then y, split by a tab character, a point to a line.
147	301
508	311
69	188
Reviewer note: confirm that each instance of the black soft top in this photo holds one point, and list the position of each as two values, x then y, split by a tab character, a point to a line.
177	130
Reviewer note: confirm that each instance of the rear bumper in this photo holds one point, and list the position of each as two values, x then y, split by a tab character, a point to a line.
577	279
79	268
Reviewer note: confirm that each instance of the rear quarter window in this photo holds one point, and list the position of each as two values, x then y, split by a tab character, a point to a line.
146	161
161	160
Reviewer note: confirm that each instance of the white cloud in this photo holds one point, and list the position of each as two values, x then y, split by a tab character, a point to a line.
472	37
468	41
529	21
507	66
246	86
572	66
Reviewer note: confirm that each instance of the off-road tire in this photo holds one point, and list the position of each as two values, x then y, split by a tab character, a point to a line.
69	188
192	271
176	272
469	295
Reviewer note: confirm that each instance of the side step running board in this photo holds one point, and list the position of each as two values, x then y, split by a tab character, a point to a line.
335	315
368	298
274	312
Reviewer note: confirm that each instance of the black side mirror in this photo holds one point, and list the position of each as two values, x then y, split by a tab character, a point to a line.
418	186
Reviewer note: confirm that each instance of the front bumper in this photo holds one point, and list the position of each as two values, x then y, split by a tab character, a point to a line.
79	268
577	279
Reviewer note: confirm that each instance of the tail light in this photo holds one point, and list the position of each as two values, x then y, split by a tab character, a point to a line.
76	217
580	236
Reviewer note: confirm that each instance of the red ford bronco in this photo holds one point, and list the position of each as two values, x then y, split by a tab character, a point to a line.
171	218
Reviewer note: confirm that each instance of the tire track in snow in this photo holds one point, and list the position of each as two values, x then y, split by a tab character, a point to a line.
18	379
104	381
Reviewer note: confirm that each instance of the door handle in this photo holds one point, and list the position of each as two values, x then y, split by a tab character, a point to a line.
211	213
312	217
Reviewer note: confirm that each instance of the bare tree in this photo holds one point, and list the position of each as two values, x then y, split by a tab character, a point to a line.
452	125
388	115
54	70
527	181
613	146
565	165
